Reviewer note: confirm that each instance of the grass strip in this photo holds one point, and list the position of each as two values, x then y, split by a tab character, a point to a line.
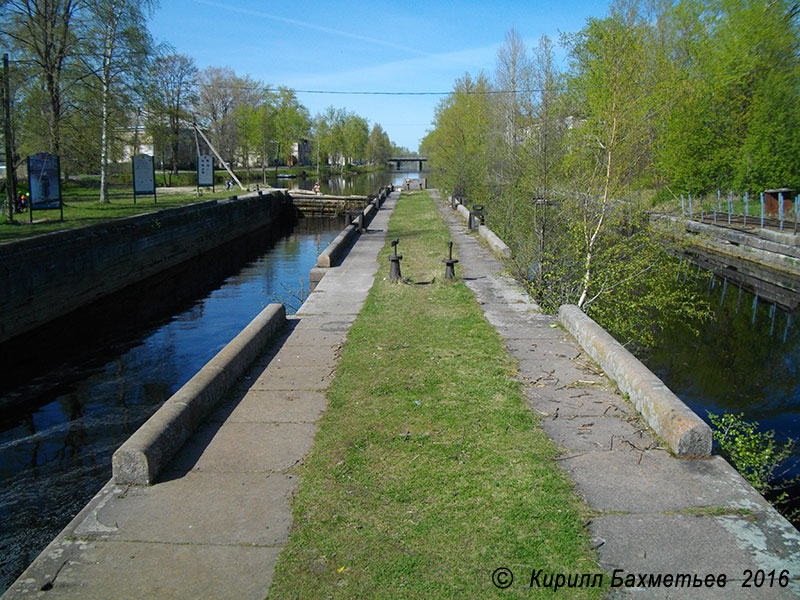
82	208
428	471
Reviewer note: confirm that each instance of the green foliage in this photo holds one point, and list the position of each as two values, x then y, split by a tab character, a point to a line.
732	96
342	136
87	75
379	146
459	146
753	453
681	97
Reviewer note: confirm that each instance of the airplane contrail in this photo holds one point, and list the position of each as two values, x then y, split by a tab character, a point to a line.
355	36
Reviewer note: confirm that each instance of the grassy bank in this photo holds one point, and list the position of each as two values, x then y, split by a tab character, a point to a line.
82	208
428	471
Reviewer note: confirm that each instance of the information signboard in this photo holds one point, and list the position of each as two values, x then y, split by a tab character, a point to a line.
144	175
205	171
44	181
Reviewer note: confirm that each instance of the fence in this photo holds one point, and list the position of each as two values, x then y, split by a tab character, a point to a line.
735	210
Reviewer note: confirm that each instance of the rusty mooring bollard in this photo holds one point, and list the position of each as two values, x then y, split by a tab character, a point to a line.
450	269
394	271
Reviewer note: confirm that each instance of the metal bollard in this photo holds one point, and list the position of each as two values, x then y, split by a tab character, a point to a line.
476	216
450	270
394	270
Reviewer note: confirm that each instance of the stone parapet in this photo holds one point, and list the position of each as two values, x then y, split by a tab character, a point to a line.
140	459
682	430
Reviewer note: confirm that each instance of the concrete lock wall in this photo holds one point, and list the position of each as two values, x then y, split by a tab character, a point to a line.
336	250
47	276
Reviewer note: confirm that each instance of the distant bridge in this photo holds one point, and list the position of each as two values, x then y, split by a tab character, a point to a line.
417	159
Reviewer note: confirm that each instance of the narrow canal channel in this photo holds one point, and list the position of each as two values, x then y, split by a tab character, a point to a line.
71	414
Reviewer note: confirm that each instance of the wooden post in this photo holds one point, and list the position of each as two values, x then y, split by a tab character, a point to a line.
221	160
11	177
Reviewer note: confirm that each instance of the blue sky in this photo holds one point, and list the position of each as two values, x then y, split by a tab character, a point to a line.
398	46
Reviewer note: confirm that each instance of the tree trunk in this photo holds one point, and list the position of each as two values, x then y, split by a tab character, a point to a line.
606	188
109	45
53	91
104	142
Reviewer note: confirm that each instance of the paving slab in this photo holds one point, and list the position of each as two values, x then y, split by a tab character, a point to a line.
273	406
292	377
655	513
214	523
554	404
188	507
642	476
650	540
245	447
589	433
100	570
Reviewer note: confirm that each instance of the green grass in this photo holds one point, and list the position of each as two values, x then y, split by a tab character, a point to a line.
428	471
82	208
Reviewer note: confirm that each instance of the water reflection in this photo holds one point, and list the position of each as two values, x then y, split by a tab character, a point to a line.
745	361
363	184
63	419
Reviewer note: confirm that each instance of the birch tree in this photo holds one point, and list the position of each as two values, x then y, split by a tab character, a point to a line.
513	83
610	90
118	46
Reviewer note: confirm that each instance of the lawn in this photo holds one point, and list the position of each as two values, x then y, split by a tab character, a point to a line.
82	208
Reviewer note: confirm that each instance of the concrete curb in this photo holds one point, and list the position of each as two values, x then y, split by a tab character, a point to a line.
685	433
369	213
333	253
497	245
140	459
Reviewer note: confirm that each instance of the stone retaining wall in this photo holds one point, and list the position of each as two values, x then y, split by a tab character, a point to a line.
47	276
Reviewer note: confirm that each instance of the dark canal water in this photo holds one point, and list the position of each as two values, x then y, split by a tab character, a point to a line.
110	366
745	362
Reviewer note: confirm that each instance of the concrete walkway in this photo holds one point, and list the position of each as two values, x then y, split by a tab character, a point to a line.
214	524
655	514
